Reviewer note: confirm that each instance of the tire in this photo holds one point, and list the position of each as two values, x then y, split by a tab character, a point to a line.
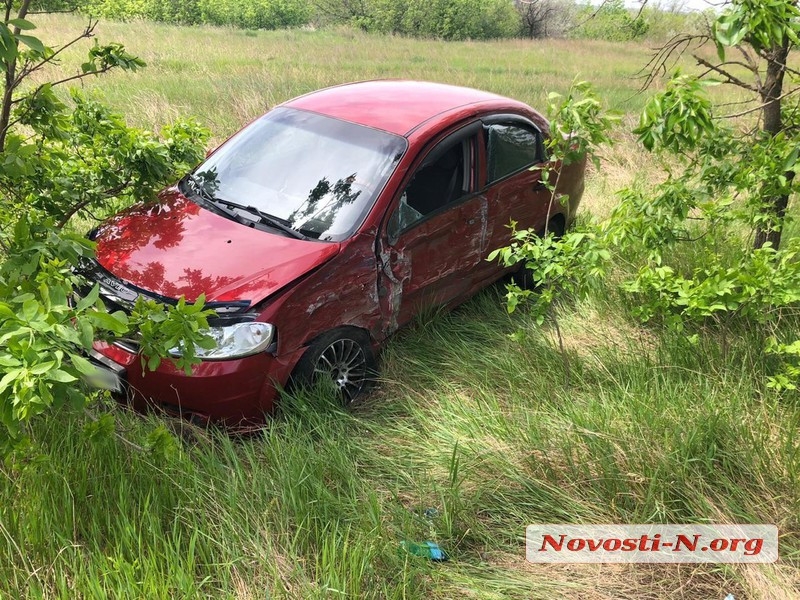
345	357
523	276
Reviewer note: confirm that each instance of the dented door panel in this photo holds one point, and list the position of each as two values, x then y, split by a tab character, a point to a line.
521	198
433	263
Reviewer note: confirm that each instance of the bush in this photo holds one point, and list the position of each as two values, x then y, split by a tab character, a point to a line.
445	19
255	14
56	162
247	14
665	22
612	22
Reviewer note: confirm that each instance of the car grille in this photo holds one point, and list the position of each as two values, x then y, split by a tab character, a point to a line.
118	295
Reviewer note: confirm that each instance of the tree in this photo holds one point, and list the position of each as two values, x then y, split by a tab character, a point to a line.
611	21
56	162
535	15
340	11
701	247
761	35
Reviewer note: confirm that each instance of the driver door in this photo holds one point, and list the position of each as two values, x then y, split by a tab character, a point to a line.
435	237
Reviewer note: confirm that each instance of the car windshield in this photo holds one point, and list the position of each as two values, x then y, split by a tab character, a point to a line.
318	175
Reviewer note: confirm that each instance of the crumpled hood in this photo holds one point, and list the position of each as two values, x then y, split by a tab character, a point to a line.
174	248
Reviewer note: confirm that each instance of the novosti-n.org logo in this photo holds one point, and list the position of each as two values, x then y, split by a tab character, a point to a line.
555	543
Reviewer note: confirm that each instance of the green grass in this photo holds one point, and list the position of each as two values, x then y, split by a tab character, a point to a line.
627	425
482	428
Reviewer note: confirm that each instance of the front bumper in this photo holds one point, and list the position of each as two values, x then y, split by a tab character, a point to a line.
234	392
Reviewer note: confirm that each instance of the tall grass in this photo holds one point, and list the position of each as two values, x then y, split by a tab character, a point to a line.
472	434
469	422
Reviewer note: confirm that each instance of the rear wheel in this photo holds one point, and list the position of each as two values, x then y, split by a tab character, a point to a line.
524	277
342	357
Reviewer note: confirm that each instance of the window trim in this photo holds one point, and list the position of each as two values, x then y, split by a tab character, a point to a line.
515	121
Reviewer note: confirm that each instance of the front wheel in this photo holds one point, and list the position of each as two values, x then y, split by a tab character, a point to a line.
343	357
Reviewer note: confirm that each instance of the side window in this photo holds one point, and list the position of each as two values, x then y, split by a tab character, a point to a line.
510	148
442	179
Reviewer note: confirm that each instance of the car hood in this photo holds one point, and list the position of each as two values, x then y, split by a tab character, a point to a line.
174	248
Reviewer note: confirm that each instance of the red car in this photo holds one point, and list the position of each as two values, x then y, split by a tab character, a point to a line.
319	229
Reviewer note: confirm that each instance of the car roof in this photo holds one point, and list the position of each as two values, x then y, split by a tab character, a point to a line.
396	106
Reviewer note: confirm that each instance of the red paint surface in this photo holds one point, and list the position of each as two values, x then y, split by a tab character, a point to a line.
175	248
395	106
237	392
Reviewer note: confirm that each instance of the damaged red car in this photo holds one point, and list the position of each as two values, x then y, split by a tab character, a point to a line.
320	229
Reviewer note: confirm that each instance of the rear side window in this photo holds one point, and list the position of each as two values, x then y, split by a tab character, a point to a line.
511	148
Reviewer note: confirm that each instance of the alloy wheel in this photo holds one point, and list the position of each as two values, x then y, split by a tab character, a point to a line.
345	364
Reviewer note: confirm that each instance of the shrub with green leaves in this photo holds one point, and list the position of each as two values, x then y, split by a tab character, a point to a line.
694	231
687	242
702	246
570	264
59	162
248	14
612	21
46	331
447	19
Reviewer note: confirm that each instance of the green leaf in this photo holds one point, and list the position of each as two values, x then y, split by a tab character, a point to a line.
42	367
81	364
29	309
5	311
23	24
86	333
33	43
9	377
61	376
8	49
109	322
720	50
89	299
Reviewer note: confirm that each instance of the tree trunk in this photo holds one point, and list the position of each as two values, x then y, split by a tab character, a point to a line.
9	84
771	99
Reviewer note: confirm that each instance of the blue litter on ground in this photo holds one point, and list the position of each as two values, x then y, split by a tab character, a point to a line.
429	550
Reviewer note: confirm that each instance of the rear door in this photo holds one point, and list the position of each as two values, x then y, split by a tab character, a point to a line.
513	148
436	233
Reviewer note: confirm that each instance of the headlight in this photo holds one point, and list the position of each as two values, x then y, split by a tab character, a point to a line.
236	341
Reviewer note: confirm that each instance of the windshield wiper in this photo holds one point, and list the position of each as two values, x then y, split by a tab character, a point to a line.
267	218
210	200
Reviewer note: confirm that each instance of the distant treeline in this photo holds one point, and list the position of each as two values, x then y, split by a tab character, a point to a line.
444	19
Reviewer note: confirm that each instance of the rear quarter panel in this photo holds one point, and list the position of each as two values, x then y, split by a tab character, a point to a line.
571	184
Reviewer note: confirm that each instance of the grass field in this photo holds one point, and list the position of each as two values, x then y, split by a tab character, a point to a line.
486	429
229	76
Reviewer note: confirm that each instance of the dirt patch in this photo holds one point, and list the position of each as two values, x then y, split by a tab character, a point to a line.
585	331
626	581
